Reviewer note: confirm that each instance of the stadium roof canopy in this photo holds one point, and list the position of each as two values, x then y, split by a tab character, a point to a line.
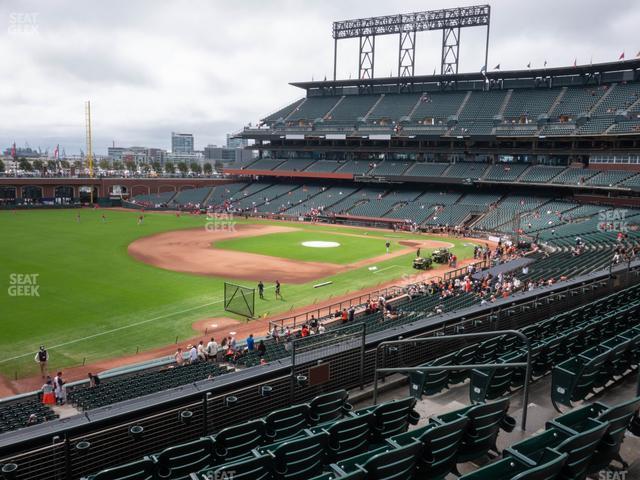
581	71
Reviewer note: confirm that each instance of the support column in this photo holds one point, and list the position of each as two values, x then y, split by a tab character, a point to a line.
367	56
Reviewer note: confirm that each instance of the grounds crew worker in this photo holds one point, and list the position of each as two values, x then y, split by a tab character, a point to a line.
42	357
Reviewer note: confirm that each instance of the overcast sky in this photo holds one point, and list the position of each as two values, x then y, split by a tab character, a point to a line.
151	67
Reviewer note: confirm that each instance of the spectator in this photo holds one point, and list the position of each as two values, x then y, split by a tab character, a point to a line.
250	343
179	357
58	385
262	348
94	380
345	315
42	358
193	353
212	350
321	328
202	354
48	396
304	332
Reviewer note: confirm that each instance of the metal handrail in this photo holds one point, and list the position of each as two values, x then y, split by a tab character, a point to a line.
487	366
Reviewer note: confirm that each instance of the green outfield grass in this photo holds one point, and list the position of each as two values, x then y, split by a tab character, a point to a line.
96	302
290	245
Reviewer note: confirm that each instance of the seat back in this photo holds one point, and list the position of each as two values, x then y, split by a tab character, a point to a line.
465	356
441	444
393	417
483	428
141	470
580	448
179	461
233	442
330	406
250	468
350	436
301	458
549	468
395	464
619	417
287	422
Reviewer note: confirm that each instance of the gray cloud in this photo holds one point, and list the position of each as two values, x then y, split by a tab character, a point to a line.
210	67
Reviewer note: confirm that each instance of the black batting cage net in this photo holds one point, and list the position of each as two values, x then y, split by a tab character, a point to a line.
239	300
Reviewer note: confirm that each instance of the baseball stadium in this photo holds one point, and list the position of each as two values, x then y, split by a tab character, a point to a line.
414	277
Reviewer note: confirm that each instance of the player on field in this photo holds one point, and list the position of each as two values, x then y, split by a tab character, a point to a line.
278	294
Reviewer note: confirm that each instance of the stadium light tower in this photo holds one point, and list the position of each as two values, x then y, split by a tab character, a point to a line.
406	25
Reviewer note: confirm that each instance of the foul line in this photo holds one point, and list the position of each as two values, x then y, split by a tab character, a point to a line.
386	268
124	327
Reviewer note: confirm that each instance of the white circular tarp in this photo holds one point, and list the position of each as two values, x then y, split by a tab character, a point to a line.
320	244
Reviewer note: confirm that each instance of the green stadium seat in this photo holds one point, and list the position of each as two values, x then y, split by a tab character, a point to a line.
250	468
485	422
391	418
239	440
176	463
287	422
441	444
330	406
579	448
348	437
385	463
619	418
144	469
298	459
511	468
434	381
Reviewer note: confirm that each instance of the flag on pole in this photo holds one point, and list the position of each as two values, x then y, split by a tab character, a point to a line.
56	152
621	57
575	62
497	67
13	150
545	63
529	65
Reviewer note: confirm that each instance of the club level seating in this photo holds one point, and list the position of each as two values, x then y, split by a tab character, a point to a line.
505	172
574	176
595	126
323	166
466	170
144	383
266	163
419	169
540	174
390	168
294	165
16	415
357	167
609	178
562	129
516	130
